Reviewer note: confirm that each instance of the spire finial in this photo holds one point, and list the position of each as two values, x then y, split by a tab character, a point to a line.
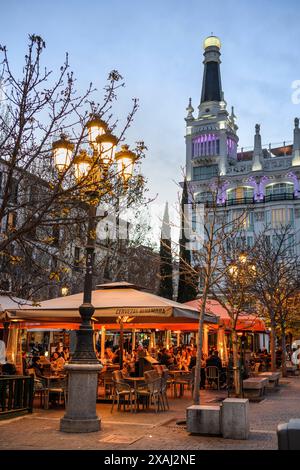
190	110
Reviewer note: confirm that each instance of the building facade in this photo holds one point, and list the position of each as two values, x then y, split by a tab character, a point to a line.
263	180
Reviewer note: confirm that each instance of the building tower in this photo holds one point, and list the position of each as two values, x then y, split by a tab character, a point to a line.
211	139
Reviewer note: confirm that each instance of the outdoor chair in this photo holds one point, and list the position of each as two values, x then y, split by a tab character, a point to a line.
59	387
164	389
185	379
122	391
212	376
151	392
39	386
106	380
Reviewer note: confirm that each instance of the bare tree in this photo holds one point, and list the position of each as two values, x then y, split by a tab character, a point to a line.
276	282
212	230
234	294
37	203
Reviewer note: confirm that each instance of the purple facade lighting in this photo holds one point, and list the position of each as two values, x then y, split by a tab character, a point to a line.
205	145
296	183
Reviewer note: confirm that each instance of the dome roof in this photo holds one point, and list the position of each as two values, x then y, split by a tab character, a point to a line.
212	41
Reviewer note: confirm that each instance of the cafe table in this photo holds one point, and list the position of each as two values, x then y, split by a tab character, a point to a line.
135	382
52	382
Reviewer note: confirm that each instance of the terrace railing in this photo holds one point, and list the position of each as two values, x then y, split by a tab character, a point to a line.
16	395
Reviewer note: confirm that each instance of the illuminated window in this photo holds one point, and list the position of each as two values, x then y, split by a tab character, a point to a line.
279	188
240	192
205	145
280	217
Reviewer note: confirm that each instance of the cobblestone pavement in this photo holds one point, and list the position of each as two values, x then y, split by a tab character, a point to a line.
149	430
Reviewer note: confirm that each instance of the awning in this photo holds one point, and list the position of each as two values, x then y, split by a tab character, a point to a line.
246	322
110	302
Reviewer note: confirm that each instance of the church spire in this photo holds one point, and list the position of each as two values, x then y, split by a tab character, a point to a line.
211	84
166	229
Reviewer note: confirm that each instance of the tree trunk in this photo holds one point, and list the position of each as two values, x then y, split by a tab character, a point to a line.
196	392
236	368
273	347
283	355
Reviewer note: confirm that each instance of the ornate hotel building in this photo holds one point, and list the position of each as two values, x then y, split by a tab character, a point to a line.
265	180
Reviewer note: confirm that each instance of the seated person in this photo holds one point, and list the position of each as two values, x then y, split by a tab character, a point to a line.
35	365
57	362
165	358
215	361
106	360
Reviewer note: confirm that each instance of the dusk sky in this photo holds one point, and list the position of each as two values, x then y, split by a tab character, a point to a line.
157	46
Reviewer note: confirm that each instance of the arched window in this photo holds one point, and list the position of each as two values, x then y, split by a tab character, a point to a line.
241	192
279	188
206	196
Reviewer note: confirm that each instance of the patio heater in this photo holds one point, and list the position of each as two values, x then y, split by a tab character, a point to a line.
91	172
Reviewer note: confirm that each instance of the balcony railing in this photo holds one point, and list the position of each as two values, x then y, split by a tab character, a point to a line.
251	200
16	395
279	197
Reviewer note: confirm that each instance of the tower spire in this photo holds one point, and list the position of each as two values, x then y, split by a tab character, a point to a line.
165	228
211	84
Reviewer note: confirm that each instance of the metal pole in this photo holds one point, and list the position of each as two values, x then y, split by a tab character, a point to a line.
84	366
121	344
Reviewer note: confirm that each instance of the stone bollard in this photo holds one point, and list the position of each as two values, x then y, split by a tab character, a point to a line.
288	435
203	419
235	418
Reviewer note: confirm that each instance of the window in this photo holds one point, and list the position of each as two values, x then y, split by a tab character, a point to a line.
280	217
205	172
279	188
245	220
205	145
288	244
206	196
240	192
13	193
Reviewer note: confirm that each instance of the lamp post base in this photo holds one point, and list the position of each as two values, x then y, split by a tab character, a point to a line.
81	403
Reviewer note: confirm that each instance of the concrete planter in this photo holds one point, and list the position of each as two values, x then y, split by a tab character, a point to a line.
204	419
235	418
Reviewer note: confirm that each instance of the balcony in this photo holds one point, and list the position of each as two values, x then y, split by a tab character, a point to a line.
279	197
251	200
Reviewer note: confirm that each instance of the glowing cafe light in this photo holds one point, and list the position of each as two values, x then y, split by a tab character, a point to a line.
62	153
125	159
96	127
106	146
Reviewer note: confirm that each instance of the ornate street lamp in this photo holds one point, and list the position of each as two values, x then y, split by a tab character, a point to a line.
91	174
62	153
125	160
